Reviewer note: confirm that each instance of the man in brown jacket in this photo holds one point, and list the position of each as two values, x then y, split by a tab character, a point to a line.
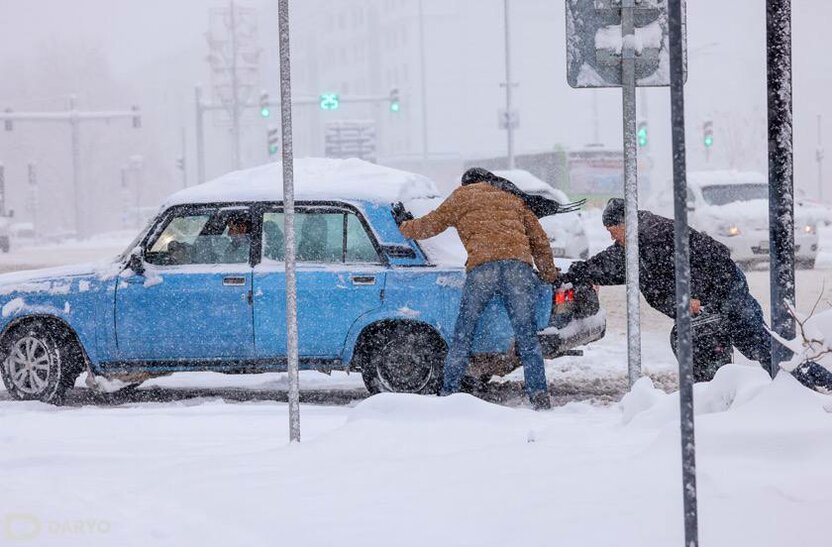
504	240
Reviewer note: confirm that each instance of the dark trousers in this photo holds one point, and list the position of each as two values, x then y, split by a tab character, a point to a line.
743	318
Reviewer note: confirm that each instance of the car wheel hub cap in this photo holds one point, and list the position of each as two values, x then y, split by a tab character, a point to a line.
28	365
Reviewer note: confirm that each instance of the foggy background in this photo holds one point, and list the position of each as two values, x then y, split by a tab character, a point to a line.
152	54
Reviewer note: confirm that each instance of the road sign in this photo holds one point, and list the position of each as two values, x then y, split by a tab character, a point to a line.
595	41
504	119
351	139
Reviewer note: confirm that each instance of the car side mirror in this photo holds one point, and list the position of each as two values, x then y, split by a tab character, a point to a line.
136	263
399	251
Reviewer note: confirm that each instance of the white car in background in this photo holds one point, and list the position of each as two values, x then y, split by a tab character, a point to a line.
567	236
732	207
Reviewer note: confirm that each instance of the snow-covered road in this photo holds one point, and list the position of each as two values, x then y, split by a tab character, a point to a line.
410	470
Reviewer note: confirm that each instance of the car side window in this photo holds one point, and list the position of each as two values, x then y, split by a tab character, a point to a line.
217	236
323	236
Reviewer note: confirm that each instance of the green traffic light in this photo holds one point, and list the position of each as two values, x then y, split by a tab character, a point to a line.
273	150
642	136
395	106
709	140
265	112
329	101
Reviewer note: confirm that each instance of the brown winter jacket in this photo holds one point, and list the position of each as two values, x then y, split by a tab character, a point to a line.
492	224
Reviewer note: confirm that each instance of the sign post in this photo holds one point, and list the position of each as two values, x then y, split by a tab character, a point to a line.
289	221
621	43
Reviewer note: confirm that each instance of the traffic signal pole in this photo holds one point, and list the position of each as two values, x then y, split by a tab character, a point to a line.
74	118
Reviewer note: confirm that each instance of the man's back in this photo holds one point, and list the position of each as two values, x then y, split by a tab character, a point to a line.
492	224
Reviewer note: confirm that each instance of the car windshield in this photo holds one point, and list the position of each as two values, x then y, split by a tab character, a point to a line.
723	194
133	244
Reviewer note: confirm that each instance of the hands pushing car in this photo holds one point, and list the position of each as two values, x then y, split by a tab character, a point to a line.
203	288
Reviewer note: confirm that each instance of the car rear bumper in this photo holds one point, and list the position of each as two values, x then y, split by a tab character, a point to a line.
581	331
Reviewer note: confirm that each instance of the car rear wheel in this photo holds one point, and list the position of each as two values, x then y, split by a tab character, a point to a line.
40	363
402	359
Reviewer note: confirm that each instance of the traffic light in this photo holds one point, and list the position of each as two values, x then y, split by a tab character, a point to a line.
180	163
8	123
273	140
137	117
395	105
265	110
641	134
329	101
708	134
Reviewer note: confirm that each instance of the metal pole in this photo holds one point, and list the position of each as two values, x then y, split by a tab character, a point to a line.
184	160
200	138
628	87
424	86
682	268
2	190
80	229
235	98
289	220
509	115
33	196
780	174
819	156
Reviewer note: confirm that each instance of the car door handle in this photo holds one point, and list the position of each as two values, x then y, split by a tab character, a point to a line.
233	281
364	280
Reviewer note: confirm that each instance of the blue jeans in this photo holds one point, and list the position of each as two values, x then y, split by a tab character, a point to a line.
516	284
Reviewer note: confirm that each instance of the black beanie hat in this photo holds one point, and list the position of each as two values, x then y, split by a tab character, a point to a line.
613	213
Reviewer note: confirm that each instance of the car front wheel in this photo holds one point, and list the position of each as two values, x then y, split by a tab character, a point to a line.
38	364
402	359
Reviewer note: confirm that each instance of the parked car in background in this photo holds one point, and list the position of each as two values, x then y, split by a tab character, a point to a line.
203	287
732	207
567	236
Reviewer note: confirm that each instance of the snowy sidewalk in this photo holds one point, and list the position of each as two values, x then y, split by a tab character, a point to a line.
409	470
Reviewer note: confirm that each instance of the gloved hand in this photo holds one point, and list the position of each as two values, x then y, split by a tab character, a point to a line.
400	214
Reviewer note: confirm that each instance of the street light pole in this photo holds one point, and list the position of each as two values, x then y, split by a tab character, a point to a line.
509	114
424	87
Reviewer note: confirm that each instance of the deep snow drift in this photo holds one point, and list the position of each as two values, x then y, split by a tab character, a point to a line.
411	470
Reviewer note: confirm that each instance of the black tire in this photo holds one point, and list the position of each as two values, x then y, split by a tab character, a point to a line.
402	358
40	362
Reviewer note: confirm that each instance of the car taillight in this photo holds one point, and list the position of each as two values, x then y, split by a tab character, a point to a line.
561	297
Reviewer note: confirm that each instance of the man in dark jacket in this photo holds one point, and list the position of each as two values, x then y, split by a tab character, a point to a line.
716	283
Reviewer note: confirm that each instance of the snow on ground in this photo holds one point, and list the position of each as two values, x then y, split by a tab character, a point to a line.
411	470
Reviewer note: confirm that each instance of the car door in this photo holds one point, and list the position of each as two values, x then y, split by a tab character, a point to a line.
193	301
340	277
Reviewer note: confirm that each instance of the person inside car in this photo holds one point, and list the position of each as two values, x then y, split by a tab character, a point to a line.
503	239
716	282
239	236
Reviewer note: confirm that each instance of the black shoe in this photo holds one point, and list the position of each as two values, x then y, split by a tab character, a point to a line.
541	401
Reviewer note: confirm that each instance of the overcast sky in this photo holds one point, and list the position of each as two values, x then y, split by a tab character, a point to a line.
156	49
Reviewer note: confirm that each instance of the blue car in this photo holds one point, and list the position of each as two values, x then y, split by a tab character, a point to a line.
203	288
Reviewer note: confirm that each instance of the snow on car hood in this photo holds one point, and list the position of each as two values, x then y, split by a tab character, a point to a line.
315	178
53	279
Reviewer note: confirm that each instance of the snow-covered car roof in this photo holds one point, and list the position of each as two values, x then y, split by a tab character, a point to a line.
707	178
315	178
